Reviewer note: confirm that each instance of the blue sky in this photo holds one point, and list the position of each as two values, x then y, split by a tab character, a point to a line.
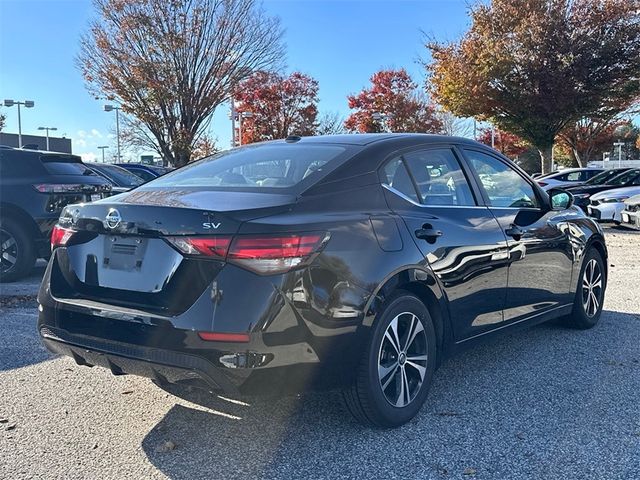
339	42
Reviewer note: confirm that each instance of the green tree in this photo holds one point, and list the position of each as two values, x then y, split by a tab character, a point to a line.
533	67
171	63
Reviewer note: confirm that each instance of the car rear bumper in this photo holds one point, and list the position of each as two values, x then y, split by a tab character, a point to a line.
123	359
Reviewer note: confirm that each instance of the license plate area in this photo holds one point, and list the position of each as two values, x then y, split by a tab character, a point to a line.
124	253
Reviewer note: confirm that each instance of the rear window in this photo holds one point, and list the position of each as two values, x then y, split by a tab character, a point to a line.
276	166
65	165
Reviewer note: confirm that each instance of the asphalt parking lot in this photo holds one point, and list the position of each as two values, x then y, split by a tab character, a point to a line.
544	403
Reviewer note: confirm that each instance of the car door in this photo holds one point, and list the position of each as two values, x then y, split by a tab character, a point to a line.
540	254
460	239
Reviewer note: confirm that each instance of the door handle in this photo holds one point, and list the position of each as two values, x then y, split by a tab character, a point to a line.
515	232
428	233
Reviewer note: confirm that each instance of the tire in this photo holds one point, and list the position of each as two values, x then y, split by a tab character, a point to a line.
592	283
382	402
17	252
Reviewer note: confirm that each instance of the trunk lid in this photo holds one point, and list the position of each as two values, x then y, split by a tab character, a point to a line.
119	255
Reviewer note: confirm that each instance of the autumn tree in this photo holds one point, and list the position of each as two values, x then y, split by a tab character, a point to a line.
392	103
533	67
588	138
171	63
273	106
508	144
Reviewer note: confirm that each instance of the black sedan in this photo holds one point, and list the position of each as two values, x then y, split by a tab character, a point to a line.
607	180
122	179
357	261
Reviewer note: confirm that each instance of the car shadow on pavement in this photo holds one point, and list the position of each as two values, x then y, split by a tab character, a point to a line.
544	403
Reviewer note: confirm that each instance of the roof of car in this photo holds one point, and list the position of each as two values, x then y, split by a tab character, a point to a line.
368	138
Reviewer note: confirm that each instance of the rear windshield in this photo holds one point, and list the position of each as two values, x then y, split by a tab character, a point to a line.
64	165
275	166
120	176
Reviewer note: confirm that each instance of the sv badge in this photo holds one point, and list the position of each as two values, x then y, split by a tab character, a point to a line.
210	225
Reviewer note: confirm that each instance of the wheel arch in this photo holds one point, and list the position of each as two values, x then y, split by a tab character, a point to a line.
424	285
10	210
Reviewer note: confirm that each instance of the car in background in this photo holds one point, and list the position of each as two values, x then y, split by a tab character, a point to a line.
34	188
567	178
607	206
581	193
630	216
144	171
122	179
630	177
352	261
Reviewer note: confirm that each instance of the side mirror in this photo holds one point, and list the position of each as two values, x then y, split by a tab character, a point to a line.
560	199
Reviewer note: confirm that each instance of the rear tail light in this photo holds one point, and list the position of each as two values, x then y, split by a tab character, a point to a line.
264	254
215	247
542	184
60	236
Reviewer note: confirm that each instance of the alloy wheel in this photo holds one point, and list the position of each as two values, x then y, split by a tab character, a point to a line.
8	251
402	359
592	288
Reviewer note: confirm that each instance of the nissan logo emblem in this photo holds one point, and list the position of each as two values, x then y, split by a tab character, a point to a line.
112	219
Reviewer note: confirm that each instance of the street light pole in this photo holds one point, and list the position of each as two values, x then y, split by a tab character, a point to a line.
27	104
619	145
103	147
53	129
109	108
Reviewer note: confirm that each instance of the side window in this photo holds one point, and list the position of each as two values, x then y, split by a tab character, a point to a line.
396	176
504	186
439	177
575	176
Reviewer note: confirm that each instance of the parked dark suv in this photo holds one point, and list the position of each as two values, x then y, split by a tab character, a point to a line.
34	188
357	261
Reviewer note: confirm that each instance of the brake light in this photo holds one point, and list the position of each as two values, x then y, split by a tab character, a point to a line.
542	184
207	246
264	254
274	254
60	236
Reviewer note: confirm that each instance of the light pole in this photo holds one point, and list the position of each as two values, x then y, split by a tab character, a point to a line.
27	104
109	108
242	115
619	145
52	129
103	147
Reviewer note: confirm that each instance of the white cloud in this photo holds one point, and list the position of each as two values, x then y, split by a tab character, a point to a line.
88	157
82	133
81	143
96	133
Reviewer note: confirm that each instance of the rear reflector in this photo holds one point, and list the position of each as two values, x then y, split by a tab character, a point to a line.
542	184
60	236
263	254
224	337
